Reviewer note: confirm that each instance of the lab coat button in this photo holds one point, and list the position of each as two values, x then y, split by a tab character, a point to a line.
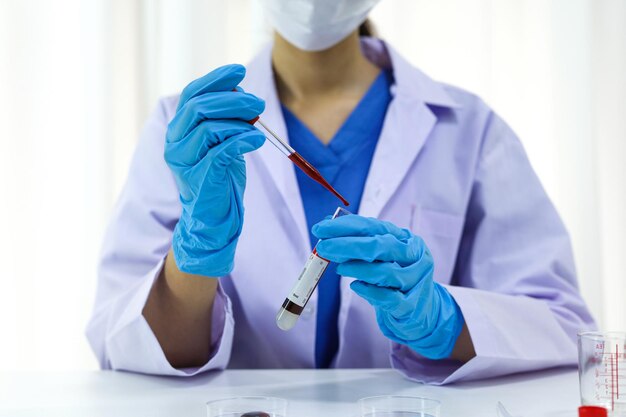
307	313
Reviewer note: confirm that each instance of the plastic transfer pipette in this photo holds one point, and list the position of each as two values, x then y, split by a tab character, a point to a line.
297	159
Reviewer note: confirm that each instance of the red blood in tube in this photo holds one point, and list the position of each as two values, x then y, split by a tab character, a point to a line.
315	175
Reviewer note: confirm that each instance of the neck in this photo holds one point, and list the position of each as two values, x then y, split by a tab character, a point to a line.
303	74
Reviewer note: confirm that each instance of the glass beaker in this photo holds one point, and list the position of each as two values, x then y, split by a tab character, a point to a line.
602	370
398	406
247	407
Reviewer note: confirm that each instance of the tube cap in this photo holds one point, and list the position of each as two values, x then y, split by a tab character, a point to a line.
592	411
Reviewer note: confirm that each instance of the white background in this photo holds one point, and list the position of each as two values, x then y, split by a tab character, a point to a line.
78	78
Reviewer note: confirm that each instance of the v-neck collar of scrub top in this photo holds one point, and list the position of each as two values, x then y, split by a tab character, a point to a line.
345	143
408	123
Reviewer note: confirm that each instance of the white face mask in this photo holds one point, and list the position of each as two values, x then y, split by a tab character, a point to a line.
314	25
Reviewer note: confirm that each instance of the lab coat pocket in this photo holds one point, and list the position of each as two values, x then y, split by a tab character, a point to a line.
442	232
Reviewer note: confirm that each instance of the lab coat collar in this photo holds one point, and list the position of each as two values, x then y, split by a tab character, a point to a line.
410	82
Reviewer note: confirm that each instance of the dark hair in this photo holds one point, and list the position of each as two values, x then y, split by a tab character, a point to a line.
367	29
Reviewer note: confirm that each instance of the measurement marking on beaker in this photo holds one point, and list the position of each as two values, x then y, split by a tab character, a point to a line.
610	380
616	370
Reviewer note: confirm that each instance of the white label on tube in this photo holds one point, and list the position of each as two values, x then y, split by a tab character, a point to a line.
311	274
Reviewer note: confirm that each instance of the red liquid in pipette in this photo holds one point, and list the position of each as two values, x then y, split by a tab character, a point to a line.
310	170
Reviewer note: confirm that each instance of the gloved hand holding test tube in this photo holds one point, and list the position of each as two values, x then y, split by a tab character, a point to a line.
393	271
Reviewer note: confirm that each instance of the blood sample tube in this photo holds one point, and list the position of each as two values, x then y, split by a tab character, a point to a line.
295	302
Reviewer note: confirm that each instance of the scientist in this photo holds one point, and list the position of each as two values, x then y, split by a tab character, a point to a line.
456	267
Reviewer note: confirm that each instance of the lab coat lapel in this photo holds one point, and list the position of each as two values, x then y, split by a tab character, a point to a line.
407	125
260	81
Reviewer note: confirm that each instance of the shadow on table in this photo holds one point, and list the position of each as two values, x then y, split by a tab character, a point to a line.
387	383
232	378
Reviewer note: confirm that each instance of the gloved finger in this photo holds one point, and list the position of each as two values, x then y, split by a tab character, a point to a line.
382	298
382	318
193	147
384	248
382	274
222	155
218	105
355	225
224	78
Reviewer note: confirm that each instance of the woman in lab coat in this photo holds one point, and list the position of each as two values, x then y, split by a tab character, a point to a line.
456	267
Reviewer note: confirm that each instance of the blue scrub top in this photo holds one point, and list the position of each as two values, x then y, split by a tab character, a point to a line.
344	162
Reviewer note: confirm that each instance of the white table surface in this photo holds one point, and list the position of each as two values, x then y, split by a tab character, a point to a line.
318	393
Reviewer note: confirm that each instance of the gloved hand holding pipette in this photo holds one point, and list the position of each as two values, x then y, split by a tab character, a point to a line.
204	149
394	273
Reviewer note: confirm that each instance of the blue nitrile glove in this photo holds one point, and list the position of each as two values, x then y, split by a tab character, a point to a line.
204	148
394	273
